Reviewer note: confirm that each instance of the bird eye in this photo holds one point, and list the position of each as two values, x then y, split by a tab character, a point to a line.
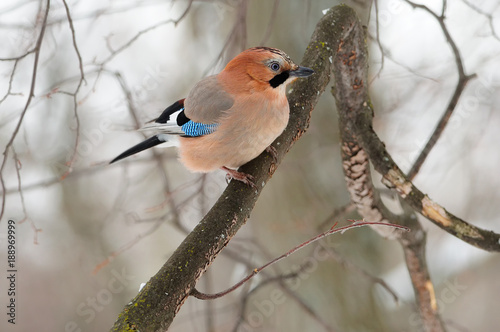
274	66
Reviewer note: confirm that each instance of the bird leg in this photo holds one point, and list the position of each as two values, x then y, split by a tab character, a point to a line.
272	151
240	176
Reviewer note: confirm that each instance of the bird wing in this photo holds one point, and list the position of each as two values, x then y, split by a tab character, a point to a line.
170	121
173	121
207	101
196	115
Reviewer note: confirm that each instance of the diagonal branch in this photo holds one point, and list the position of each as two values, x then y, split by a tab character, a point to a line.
156	305
144	31
463	79
487	15
361	143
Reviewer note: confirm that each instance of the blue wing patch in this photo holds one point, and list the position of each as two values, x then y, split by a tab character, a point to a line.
194	129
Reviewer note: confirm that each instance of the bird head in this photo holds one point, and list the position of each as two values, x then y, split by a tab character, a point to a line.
263	68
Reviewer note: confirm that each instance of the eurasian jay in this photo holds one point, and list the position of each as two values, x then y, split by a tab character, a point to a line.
230	118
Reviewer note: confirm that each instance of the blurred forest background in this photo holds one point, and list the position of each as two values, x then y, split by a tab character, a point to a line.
89	233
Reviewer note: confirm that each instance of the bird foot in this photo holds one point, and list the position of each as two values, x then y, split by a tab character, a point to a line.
272	151
240	176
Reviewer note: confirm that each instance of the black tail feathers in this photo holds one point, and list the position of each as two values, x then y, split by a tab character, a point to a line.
144	145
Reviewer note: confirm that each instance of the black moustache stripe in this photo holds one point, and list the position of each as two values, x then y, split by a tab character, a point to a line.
279	79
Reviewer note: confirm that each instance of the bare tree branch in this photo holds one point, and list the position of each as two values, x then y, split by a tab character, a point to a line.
414	251
350	90
154	308
279	279
386	54
11	78
379	43
255	271
463	79
283	286
361	143
35	229
36	50
338	213
144	31
75	93
347	264
238	33
488	16
133	112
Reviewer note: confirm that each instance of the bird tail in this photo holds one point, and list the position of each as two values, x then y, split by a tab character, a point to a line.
149	143
169	128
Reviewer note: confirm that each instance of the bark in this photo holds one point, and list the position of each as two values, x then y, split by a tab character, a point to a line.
353	103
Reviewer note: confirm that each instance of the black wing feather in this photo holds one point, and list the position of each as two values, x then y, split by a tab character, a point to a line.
155	140
165	115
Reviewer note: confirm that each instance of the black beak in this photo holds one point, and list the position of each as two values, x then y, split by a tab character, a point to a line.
302	72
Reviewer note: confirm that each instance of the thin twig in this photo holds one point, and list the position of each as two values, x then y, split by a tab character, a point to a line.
278	278
11	78
353	267
157	223
337	213
157	156
128	245
235	255
22	56
332	230
37	50
144	31
101	12
379	43
488	16
388	55
19	165
75	93
463	79
238	30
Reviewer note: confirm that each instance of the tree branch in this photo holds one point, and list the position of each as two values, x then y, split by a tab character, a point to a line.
31	94
75	93
463	79
156	305
333	230
115	52
350	90
361	143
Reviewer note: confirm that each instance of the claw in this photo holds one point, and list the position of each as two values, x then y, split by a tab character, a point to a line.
240	176
272	151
